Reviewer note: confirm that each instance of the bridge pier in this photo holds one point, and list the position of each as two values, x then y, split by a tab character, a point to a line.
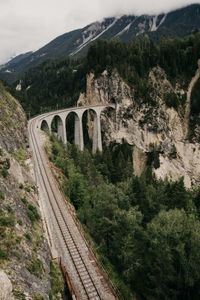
97	141
78	131
60	130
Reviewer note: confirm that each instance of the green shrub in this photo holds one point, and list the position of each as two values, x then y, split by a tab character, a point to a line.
9	209
7	221
3	254
27	189
38	297
35	189
2	195
19	295
33	213
20	156
4	173
28	237
23	199
20	222
36	267
56	283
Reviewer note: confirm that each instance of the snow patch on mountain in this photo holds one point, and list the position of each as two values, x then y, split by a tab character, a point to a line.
115	20
153	26
162	20
153	23
126	28
94	33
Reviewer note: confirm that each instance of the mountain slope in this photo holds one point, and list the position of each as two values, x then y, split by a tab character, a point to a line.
12	121
75	43
22	244
26	269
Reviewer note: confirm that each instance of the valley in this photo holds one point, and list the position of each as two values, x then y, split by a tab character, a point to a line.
101	183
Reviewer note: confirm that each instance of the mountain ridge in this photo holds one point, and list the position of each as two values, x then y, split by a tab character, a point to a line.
178	23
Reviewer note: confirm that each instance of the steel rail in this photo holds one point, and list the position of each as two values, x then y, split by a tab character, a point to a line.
90	288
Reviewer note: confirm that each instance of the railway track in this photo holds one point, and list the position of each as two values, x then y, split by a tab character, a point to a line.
85	277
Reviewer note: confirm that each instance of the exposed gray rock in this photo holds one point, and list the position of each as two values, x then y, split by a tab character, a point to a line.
25	251
29	243
5	287
12	122
145	125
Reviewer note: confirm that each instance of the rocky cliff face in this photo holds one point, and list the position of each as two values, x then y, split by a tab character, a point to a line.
12	121
149	126
24	252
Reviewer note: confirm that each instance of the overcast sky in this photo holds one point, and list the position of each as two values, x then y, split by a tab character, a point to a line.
27	25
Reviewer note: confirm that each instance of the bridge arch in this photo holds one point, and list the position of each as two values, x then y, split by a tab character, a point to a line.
88	120
57	126
44	126
58	122
73	125
95	115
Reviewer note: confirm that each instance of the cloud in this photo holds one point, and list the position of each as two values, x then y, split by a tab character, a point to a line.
28	25
138	7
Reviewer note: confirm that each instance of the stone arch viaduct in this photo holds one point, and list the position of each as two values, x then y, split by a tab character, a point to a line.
45	122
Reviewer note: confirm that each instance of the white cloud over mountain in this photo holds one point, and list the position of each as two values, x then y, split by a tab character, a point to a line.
28	25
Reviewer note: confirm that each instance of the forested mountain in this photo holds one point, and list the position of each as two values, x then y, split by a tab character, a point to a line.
75	43
139	199
58	83
51	85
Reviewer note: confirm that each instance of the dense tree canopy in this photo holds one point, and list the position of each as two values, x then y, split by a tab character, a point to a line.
168	263
51	85
178	57
146	229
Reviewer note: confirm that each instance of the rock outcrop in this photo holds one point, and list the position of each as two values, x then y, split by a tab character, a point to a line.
24	252
12	121
148	125
5	287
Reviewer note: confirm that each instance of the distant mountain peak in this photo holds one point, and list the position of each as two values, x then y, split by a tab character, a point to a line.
179	23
